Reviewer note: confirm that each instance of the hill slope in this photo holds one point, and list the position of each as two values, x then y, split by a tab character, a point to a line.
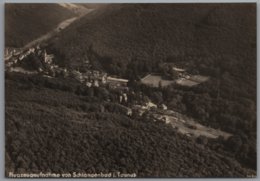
155	32
218	40
26	22
51	127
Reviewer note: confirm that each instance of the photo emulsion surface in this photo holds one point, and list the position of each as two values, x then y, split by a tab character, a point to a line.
130	90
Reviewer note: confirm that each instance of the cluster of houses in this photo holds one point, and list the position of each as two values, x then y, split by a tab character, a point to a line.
96	78
147	106
13	56
9	52
91	78
140	109
180	70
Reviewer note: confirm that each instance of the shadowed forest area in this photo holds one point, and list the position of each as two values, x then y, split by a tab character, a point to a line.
26	22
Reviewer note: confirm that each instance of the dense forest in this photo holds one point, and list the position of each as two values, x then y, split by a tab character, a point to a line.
52	127
26	22
217	40
210	35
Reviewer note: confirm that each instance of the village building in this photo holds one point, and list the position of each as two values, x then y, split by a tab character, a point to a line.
125	97
138	110
94	78
129	112
150	105
116	82
77	75
96	84
126	110
31	50
21	57
120	98
163	107
47	58
178	69
8	64
40	70
88	84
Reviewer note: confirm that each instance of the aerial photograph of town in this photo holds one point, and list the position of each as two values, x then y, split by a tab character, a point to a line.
130	90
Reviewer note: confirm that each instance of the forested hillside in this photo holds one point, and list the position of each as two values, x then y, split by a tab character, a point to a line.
217	40
26	22
64	124
211	35
52	127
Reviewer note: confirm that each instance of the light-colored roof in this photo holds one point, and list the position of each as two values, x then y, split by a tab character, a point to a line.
178	69
117	79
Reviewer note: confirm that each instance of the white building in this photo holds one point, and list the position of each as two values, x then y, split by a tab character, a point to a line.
117	82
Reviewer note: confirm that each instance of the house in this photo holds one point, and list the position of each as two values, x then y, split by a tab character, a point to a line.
21	57
8	64
48	58
178	69
31	50
88	84
165	119
129	112
120	98
116	82
150	105
125	97
40	70
104	78
161	118
138	110
96	84
163	107
77	75
94	78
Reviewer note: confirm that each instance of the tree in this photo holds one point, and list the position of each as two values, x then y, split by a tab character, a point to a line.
234	143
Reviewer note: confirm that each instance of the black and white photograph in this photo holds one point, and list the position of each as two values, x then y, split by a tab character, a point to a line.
130	90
